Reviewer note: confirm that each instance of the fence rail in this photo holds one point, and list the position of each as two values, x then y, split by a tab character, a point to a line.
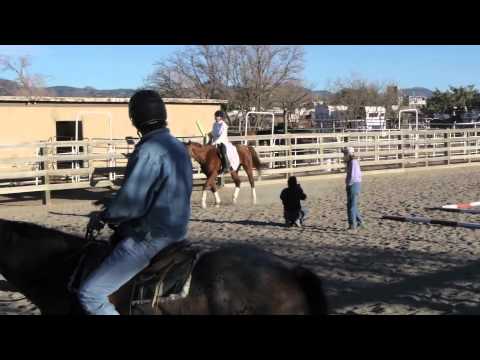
100	162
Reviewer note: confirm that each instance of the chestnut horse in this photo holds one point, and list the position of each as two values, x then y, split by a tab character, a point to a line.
209	160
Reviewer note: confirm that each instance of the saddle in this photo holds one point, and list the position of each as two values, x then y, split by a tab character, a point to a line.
224	160
167	277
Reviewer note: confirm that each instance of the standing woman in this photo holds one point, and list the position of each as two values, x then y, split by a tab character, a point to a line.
353	182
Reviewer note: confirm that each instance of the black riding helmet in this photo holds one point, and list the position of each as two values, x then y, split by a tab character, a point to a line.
292	181
147	110
220	114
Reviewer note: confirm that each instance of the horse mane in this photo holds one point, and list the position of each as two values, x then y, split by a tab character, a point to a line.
196	144
200	150
33	232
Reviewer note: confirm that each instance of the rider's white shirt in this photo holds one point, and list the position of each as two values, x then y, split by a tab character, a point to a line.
220	133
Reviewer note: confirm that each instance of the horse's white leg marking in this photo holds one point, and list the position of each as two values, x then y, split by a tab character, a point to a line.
235	194
204	199
217	199
254	196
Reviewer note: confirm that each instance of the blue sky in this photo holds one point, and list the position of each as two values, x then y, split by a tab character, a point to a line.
122	66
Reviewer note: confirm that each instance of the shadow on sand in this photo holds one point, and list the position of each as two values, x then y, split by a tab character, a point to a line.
441	284
76	194
324	229
242	222
351	274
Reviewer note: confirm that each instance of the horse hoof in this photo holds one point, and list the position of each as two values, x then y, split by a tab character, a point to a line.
217	205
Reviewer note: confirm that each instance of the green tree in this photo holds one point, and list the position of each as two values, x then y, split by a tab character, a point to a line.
462	97
439	102
455	99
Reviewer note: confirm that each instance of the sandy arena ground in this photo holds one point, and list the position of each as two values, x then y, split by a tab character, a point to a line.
388	268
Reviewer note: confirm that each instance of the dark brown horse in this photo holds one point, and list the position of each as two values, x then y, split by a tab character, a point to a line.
209	160
235	279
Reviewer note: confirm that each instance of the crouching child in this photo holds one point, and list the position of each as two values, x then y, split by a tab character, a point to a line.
292	209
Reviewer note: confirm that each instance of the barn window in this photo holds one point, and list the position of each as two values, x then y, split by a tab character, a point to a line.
65	130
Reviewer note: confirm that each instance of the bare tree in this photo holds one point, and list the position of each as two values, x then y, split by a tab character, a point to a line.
356	93
246	75
28	84
195	71
292	96
265	68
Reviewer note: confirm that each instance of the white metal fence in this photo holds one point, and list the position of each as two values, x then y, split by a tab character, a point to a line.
100	162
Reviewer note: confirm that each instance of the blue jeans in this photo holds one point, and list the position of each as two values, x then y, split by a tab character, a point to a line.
130	256
353	192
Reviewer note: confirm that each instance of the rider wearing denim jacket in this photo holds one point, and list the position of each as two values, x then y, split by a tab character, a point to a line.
152	208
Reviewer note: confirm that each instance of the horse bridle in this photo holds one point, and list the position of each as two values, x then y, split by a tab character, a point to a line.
90	234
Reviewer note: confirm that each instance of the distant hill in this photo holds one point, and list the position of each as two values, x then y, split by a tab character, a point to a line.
321	93
417	91
9	88
413	91
88	92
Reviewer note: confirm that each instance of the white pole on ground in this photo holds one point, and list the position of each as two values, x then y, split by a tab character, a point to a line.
461	205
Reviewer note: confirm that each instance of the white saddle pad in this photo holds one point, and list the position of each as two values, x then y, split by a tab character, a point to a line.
233	157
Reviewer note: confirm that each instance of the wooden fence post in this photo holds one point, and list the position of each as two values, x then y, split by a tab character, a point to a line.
289	161
90	166
47	195
449	135
320	142
400	149
467	145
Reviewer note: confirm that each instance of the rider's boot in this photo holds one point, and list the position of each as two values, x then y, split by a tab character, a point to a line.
225	162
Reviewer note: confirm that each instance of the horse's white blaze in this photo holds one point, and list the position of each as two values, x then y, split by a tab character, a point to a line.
254	196
217	199
235	194
204	199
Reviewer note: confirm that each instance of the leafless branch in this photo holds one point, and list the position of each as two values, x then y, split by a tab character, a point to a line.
246	75
27	84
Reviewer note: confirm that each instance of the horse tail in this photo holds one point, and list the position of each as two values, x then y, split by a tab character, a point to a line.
313	289
255	159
